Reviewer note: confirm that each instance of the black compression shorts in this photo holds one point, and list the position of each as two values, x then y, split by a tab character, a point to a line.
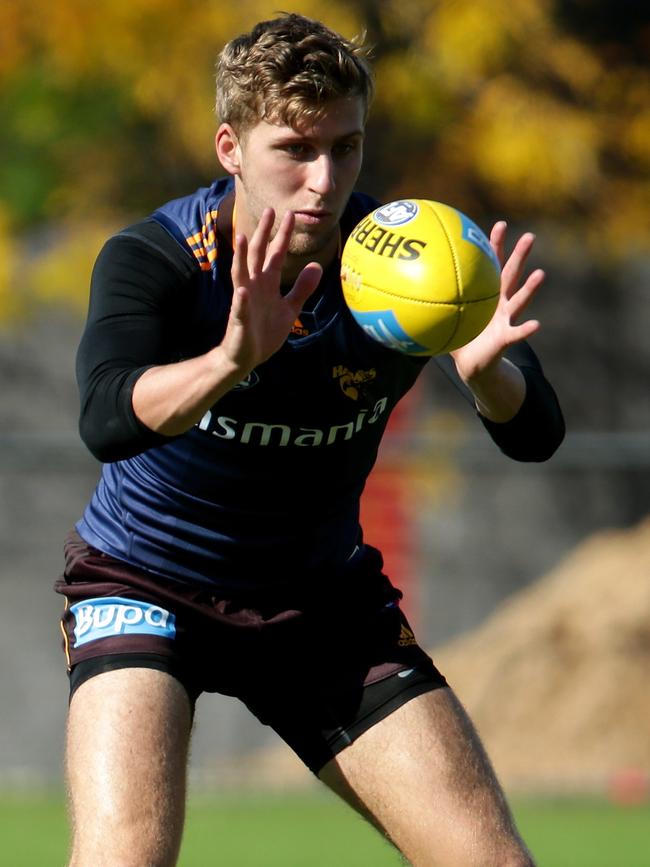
318	667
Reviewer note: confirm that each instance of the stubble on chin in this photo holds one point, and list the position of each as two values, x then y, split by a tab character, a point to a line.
304	244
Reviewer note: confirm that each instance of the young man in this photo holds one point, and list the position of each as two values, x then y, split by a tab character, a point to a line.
221	550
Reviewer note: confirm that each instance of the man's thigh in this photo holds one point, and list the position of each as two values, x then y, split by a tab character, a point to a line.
422	776
344	671
127	745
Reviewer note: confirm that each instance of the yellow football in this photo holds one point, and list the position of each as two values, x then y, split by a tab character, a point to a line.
420	277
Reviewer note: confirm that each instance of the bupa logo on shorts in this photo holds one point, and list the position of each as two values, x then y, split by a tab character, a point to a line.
396	213
476	236
109	616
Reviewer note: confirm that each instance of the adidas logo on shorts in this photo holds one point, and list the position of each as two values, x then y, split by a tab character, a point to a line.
406	637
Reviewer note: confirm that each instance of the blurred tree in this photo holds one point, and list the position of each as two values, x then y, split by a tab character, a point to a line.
106	110
509	109
110	105
537	110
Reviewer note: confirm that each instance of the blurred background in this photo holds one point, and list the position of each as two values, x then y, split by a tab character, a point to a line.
530	582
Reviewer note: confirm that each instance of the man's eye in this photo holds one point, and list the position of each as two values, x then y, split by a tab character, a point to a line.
297	150
343	150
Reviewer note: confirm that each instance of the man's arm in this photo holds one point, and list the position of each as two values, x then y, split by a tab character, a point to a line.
513	398
133	396
136	277
170	399
537	430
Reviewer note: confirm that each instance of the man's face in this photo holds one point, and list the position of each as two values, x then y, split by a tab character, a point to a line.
310	170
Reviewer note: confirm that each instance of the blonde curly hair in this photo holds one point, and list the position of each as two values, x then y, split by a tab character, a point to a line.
286	70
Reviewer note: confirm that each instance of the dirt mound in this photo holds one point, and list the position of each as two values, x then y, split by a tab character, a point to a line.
558	679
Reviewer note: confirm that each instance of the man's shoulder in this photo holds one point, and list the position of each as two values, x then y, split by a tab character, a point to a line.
192	220
181	230
187	209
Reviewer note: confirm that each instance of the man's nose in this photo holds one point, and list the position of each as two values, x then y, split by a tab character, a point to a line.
321	178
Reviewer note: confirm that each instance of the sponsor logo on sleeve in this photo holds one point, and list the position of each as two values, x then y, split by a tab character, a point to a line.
107	617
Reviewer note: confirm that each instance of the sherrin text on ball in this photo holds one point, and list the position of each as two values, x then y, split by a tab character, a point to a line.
420	277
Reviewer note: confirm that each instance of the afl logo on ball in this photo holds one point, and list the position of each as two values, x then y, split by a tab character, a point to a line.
396	213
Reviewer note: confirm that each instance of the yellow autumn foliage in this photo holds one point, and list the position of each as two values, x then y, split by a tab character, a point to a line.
531	147
467	41
60	272
11	301
487	103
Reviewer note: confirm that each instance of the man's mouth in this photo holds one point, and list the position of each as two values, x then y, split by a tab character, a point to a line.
313	216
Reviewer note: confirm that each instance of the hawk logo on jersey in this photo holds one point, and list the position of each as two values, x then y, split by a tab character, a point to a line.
352	383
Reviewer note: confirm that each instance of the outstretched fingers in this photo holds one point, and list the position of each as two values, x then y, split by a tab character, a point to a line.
257	269
260	255
259	242
279	246
239	308
514	267
498	240
306	282
517	305
523	332
239	271
525	294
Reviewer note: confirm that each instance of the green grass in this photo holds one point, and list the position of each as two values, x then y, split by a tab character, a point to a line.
585	833
313	830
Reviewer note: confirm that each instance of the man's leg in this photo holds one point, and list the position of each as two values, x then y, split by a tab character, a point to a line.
422	775
127	746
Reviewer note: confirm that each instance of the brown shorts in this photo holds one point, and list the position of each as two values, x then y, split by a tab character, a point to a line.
319	666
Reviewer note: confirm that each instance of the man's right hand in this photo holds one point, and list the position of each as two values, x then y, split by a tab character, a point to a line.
171	398
261	317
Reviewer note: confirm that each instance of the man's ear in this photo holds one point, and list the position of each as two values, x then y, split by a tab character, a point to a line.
228	149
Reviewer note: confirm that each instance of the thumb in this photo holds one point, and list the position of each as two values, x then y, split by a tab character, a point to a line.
239	304
305	284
